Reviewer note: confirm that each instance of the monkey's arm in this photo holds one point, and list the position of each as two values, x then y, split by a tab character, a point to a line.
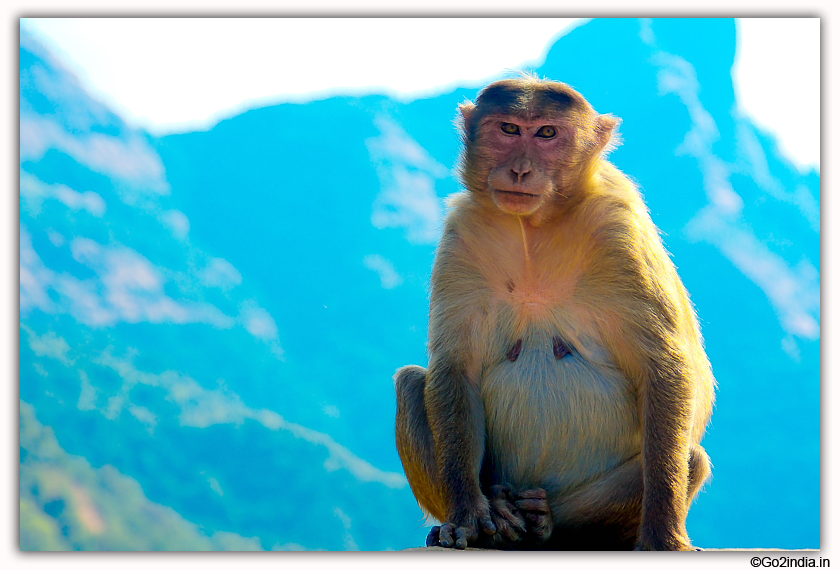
453	402
456	418
667	412
650	331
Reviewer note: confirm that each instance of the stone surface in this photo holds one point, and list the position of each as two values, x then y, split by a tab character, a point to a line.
440	548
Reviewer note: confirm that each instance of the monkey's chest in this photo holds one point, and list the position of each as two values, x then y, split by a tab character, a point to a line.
554	418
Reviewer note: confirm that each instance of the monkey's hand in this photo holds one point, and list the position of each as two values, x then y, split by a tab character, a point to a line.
523	520
510	524
464	528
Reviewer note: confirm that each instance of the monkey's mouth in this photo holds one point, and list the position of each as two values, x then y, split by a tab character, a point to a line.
516	202
511	193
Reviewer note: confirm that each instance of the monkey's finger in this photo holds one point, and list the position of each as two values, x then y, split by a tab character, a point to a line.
486	522
533	505
506	515
511	533
433	539
446	532
541	526
460	538
538	522
531	494
499	491
483	521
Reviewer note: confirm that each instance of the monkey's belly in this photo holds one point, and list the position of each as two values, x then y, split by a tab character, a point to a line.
556	423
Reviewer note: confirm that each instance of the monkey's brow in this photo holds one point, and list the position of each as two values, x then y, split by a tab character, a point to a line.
520	119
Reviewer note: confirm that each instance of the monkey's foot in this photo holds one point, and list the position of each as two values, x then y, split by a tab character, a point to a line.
466	528
448	535
534	507
433	538
663	541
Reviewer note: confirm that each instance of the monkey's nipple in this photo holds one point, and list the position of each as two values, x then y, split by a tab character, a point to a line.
560	348
513	354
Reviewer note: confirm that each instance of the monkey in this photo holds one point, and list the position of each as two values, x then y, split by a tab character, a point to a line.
568	388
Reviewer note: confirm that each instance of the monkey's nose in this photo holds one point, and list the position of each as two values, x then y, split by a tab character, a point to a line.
520	168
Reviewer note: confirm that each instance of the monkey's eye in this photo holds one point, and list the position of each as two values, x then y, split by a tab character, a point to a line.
510	128
546	132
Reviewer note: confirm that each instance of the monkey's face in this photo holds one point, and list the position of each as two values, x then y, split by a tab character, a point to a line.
530	145
523	156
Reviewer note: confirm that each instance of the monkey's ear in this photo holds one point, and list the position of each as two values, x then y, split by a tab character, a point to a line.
605	126
467	112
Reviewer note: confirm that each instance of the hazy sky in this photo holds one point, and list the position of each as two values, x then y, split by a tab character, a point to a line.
169	75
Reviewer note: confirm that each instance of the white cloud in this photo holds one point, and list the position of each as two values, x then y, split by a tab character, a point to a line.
677	76
388	276
88	395
35	191
407	174
220	273
35	277
289	547
132	288
56	238
759	171
394	145
214	484
793	292
81	299
143	415
177	223
50	345
127	288
791	348
347	523
259	323
131	159
340	457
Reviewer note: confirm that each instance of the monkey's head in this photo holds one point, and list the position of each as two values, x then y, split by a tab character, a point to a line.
531	144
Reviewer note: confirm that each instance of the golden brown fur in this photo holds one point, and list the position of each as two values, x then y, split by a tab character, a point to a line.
568	388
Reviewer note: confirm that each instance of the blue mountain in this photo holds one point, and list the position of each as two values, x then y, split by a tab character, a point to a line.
210	320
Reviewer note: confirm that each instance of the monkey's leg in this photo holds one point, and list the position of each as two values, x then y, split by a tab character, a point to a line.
606	513
602	515
415	443
699	469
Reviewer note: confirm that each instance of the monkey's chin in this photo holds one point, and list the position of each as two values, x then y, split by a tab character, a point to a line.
517	203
